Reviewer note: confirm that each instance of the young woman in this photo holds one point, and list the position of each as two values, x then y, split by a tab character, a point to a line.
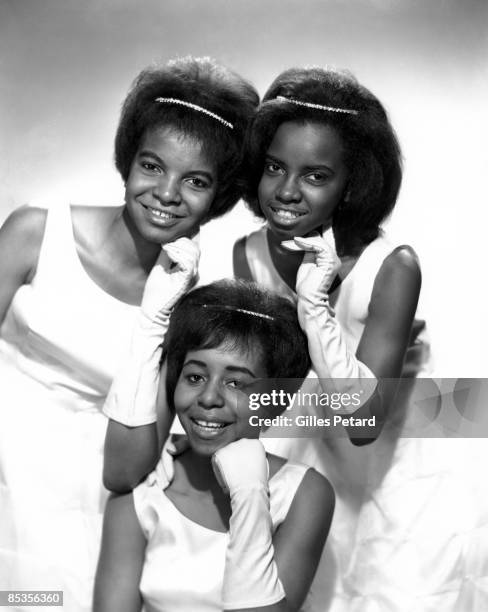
325	171
224	526
72	282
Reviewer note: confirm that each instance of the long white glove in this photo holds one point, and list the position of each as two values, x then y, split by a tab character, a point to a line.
132	396
251	575
330	356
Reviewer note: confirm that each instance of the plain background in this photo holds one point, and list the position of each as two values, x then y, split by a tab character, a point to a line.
66	65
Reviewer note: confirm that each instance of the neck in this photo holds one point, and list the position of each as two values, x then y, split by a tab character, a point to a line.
199	473
132	249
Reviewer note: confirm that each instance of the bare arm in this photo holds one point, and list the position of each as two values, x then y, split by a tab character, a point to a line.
20	242
121	559
132	452
385	338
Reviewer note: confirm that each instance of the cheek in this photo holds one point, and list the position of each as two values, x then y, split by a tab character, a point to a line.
200	203
264	188
183	398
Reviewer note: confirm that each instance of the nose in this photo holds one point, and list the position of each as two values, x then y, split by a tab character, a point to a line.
167	190
288	191
211	396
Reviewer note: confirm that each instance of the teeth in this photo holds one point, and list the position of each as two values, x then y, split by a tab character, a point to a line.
287	214
209	424
161	213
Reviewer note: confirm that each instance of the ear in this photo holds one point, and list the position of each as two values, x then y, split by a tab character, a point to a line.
347	195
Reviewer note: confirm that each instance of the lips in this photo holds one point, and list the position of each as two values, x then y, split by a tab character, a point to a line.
208	428
284	216
161	217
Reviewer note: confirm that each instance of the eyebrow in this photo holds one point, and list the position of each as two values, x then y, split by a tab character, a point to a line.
306	168
229	368
151	154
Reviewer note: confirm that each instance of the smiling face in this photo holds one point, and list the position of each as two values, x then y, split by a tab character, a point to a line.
171	186
209	397
304	178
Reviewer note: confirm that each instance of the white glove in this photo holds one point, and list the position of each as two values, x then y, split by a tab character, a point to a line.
251	575
331	359
165	471
319	266
133	394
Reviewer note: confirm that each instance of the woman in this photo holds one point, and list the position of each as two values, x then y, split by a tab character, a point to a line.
69	298
220	525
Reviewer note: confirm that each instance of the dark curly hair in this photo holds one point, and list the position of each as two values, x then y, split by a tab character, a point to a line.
214	314
372	152
205	83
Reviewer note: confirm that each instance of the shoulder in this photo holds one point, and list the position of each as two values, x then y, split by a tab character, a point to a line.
399	274
27	221
239	260
22	233
316	489
313	504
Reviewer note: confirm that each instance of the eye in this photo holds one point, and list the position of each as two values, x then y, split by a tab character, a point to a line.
271	167
238	383
198	182
235	384
150	167
317	178
194	379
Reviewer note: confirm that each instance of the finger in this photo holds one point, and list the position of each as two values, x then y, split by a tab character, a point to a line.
315	244
329	238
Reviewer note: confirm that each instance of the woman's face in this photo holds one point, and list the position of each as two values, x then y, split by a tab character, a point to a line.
211	396
304	178
171	186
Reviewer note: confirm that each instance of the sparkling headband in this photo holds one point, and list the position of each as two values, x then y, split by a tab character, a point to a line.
248	312
332	109
197	108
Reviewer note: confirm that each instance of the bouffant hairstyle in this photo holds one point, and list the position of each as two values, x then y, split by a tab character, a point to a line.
205	83
238	314
371	150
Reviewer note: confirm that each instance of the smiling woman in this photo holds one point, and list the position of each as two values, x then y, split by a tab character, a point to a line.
72	282
170	187
219	525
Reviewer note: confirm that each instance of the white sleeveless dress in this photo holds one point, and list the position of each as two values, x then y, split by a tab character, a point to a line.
60	344
184	563
410	529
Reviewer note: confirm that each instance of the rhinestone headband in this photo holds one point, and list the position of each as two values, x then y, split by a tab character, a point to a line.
248	312
332	109
197	108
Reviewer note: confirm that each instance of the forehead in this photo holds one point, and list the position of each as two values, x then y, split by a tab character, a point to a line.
229	355
169	142
307	142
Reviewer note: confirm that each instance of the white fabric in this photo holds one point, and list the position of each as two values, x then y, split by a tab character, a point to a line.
410	529
59	348
184	563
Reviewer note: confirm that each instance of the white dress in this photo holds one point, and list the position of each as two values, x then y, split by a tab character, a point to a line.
410	529
60	344
184	563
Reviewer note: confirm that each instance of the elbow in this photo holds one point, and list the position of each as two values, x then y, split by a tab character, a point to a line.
118	480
